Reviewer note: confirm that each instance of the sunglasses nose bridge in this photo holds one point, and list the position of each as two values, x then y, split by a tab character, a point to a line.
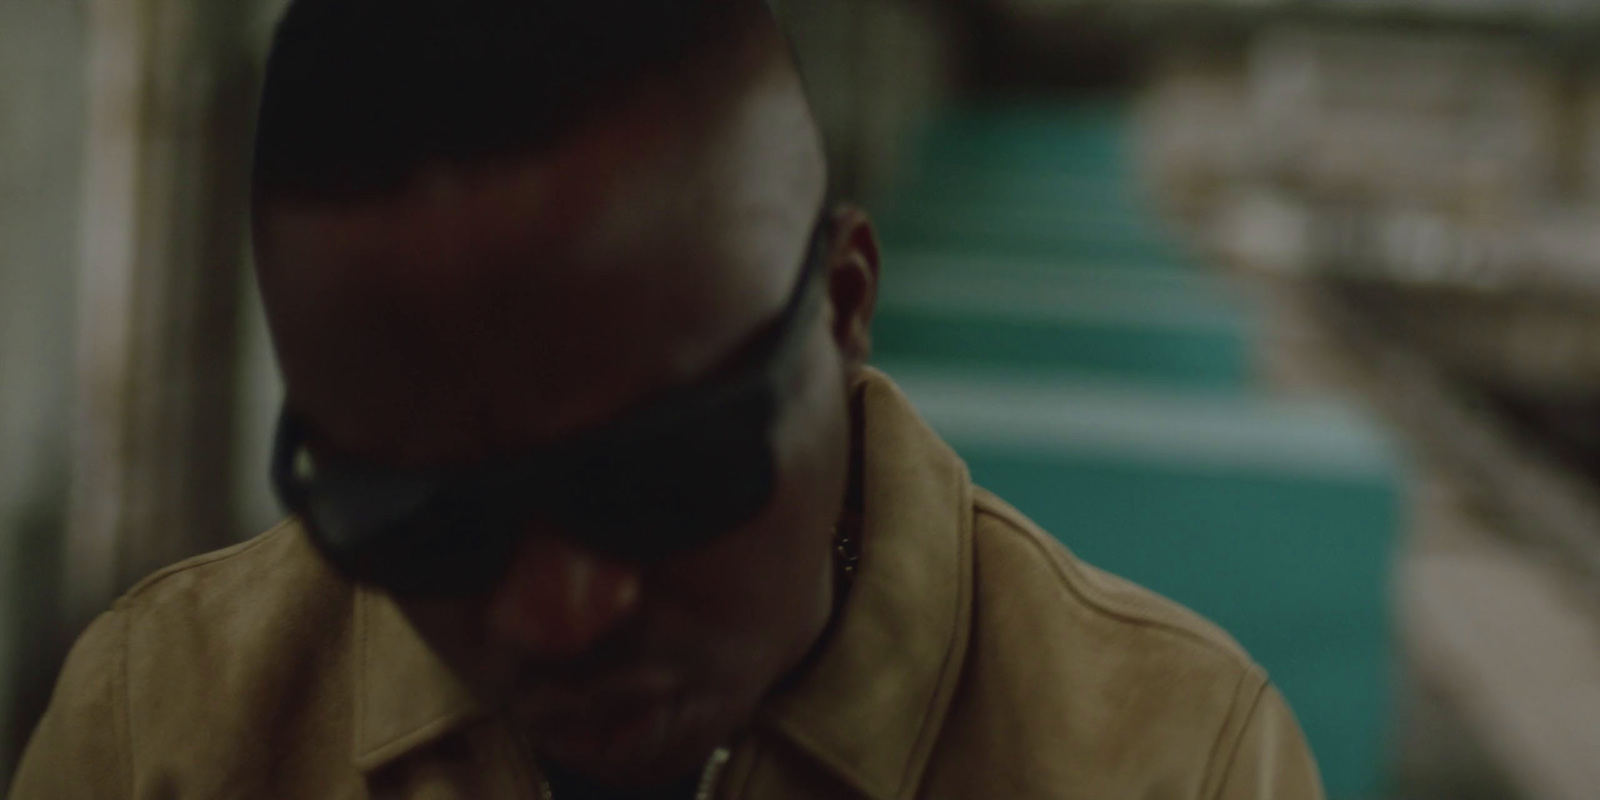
556	600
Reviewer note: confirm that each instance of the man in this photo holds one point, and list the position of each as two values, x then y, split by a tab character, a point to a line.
594	493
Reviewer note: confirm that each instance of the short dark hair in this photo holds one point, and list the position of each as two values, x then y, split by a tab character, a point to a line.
361	94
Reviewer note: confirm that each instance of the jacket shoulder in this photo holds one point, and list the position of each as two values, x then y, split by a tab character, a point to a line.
283	548
268	603
270	598
1092	600
197	671
1080	682
81	746
241	651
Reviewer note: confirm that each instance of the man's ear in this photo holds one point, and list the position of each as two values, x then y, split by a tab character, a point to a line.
853	269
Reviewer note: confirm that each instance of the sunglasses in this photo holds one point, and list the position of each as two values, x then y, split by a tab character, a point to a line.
670	477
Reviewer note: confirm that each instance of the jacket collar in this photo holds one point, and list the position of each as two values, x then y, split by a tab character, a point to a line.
871	707
868	709
405	697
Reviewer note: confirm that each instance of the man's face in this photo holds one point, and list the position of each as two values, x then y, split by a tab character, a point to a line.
484	311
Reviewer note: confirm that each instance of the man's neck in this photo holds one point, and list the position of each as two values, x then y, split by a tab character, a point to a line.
566	786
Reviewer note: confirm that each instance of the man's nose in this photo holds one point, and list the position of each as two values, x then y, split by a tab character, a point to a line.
557	600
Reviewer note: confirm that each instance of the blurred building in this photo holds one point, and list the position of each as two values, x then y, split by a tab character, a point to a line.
1415	186
41	135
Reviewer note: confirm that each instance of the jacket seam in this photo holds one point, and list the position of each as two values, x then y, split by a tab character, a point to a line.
955	647
1250	670
122	612
1107	607
746	762
1221	769
122	701
226	554
817	750
358	678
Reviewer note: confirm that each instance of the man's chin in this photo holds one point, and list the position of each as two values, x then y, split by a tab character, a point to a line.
649	748
623	744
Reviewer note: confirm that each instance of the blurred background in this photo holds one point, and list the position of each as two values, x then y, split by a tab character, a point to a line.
1284	308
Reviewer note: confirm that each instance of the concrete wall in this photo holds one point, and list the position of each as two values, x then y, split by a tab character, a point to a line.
876	69
41	120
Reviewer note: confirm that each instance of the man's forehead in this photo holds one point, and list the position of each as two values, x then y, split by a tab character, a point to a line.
628	216
672	156
549	198
556	287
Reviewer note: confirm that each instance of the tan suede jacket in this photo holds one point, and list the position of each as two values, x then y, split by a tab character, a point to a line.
976	659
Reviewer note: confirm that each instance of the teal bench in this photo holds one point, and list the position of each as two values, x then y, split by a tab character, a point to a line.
1275	521
1053	331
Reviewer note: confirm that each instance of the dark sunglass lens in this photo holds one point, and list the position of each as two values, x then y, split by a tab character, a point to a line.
673	498
444	548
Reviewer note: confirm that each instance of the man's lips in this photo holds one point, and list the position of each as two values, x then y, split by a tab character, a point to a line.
556	706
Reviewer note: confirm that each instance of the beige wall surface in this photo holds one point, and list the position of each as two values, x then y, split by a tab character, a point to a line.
41	121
